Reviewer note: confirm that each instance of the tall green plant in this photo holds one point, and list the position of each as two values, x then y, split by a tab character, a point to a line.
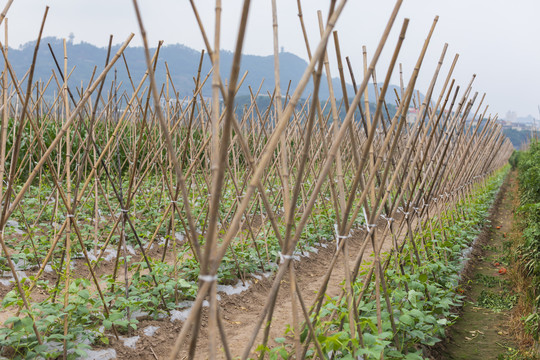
529	249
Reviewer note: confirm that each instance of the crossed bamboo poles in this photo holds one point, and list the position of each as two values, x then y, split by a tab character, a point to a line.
382	167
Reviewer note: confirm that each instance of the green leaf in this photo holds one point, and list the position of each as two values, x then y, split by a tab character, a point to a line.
303	335
85	294
27	323
431	340
283	353
122	323
261	347
423	278
11	319
80	352
40	348
430	319
369	339
442	321
56	336
394	354
413	356
406	319
412	297
418	334
417	314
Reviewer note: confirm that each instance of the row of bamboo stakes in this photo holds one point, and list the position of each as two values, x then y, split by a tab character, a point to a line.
216	171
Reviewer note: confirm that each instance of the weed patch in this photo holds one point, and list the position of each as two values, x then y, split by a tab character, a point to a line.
497	301
490	281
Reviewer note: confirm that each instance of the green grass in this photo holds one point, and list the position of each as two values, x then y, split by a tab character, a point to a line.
490	281
497	301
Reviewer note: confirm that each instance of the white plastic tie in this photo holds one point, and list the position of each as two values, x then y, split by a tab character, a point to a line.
208	278
70	216
389	220
338	237
124	211
405	213
282	257
367	224
370	226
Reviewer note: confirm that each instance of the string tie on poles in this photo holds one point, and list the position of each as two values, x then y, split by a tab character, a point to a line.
367	224
208	278
338	237
405	213
389	220
283	257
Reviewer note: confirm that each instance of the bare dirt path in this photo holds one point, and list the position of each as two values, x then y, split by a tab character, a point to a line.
483	331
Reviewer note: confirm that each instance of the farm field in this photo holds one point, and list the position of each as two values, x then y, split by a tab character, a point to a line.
139	224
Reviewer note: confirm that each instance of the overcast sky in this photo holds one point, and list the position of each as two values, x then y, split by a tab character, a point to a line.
496	39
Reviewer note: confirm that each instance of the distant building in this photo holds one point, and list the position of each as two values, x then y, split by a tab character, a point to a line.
412	114
511	116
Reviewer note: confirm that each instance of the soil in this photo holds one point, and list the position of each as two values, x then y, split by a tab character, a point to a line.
480	332
240	312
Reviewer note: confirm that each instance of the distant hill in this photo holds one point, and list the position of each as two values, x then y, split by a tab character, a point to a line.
182	62
517	137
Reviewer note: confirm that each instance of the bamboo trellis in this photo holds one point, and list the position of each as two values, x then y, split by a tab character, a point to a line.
131	181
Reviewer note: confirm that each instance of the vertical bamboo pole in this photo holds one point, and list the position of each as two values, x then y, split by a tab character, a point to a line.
68	186
5	119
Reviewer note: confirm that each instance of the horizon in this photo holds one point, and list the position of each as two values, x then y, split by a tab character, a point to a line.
72	40
487	43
